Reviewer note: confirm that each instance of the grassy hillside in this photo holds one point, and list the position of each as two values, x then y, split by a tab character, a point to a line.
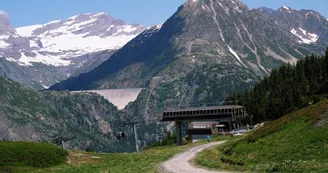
297	142
26	154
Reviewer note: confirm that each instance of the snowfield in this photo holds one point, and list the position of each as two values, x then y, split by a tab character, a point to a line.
58	42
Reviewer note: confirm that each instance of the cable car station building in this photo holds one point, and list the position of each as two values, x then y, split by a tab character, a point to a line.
231	114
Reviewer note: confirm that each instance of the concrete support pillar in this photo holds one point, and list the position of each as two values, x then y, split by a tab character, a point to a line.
178	132
230	125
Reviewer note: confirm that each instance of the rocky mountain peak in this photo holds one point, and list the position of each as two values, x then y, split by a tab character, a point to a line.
3	14
225	4
5	27
285	8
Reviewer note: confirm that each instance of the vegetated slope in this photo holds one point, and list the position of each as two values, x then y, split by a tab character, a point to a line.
296	142
287	89
28	115
20	154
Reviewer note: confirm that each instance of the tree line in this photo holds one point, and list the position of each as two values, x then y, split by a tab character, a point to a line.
287	89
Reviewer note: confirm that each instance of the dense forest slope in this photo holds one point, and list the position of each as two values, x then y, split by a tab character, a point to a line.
287	89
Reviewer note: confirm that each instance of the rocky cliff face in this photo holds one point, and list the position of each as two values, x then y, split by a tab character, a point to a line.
66	45
5	27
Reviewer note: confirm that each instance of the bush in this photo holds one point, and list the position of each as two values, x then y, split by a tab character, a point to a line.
89	149
31	154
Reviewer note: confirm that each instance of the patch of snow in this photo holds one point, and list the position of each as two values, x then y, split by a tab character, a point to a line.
86	44
236	55
27	31
46	87
304	32
3	44
52	22
98	14
150	31
159	26
308	13
222	36
194	0
11	59
306	38
293	31
285	7
129	28
74	17
237	9
110	27
2	37
262	67
33	43
224	8
69	22
49	60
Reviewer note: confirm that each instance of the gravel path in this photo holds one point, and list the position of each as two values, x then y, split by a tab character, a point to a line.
181	162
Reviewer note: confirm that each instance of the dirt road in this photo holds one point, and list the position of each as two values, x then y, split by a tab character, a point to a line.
180	163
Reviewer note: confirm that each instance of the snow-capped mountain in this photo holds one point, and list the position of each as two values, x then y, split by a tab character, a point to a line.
57	42
66	44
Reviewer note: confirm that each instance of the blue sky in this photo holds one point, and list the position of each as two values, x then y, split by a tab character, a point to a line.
147	12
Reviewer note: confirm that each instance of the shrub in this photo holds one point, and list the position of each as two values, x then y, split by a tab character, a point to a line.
89	149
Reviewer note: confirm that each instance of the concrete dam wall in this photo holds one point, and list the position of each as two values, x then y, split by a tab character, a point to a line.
118	97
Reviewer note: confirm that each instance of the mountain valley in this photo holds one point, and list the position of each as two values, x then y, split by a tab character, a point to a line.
207	50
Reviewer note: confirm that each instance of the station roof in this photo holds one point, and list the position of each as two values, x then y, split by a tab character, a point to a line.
205	108
205	122
203	113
